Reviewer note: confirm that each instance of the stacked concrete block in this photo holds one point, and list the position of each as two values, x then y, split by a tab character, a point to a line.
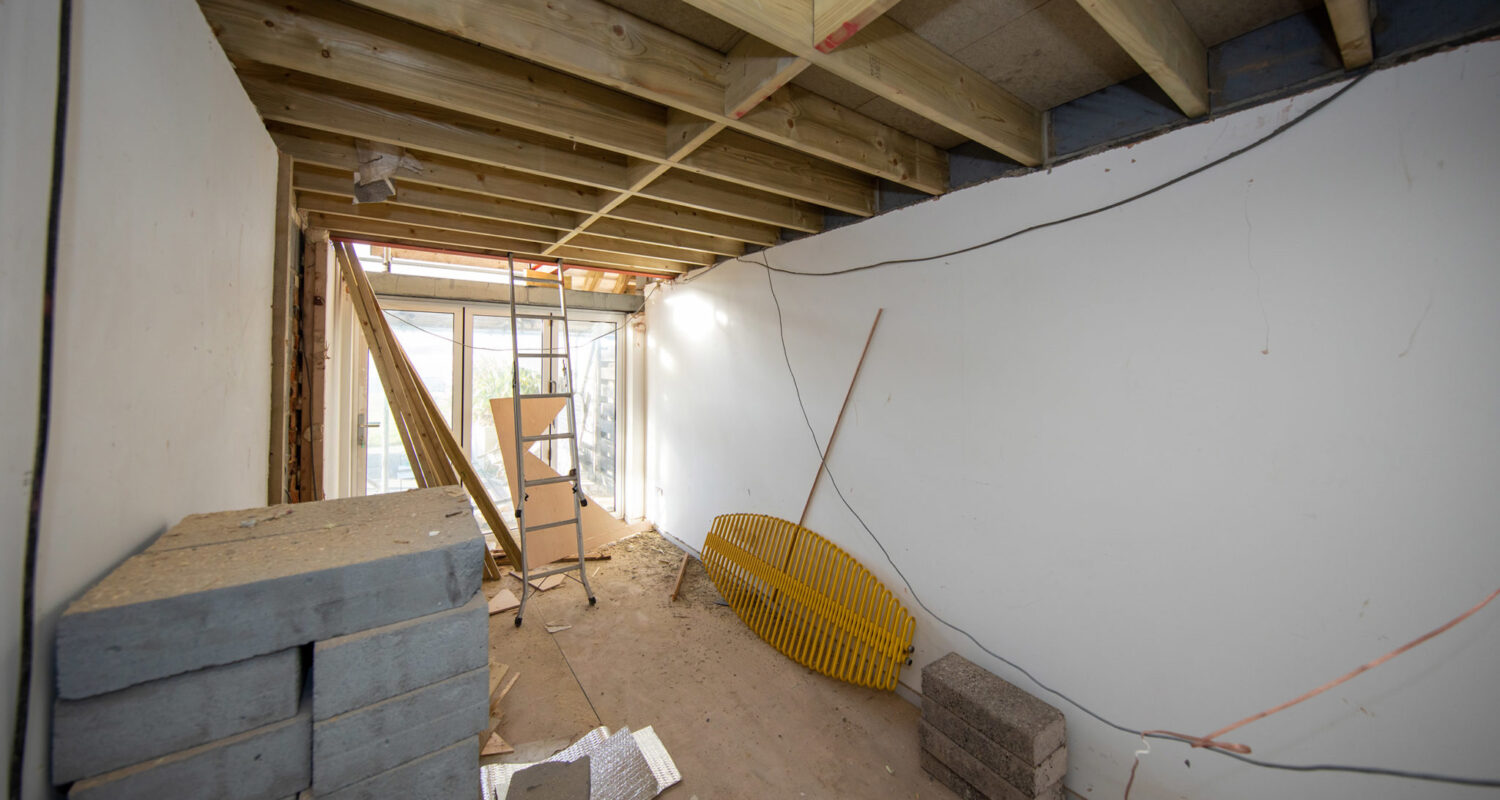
985	738
221	661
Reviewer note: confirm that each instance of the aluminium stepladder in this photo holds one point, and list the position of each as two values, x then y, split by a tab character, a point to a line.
523	442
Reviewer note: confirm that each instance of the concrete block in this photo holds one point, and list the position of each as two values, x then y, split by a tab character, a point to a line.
983	779
108	731
220	588
552	780
1013	769
366	741
271	761
449	774
1011	718
363	668
947	777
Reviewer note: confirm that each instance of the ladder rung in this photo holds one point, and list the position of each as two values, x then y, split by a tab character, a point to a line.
547	437
558	479
549	573
554	317
534	279
546	525
547	394
541	355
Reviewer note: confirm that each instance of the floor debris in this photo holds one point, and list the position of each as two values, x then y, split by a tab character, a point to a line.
557	628
504	600
496	746
624	766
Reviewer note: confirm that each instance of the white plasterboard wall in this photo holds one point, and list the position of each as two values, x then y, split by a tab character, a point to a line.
1074	445
162	364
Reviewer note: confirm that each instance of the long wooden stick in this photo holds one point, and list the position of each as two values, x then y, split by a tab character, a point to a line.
802	521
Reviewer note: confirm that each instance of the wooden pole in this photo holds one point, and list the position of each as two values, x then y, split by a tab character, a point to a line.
802	521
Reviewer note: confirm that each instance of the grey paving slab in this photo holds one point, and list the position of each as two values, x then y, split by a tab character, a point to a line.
271	761
108	731
216	589
361	743
448	774
363	668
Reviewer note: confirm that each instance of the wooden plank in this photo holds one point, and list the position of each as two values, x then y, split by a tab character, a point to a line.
681	573
496	746
798	175
362	48
698	191
891	61
330	182
692	220
415	215
1160	39
828	448
504	600
402	232
282	264
462	249
753	70
362	115
314	359
1351	27
602	44
834	21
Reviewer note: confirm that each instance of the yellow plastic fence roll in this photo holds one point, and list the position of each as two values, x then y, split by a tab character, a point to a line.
809	599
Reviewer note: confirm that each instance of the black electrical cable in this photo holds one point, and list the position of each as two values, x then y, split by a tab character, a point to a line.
44	407
832	481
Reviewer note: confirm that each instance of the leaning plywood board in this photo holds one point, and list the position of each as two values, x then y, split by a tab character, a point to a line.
550	502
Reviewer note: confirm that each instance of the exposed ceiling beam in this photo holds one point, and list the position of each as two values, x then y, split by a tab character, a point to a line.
1159	38
401	233
1351	27
753	71
399	211
891	61
604	45
680	203
834	21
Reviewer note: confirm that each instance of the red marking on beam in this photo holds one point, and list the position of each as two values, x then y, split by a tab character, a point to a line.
838	37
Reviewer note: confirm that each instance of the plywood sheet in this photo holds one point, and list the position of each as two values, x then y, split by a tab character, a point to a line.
552	502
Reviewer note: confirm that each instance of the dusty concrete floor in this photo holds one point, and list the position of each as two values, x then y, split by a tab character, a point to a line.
740	719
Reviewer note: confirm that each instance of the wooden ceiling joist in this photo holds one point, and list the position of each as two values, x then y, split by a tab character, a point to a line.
891	61
753	71
438	173
1351	27
1159	38
352	46
403	233
834	21
604	45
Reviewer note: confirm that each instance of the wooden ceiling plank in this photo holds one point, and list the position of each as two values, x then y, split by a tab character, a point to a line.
408	126
325	181
834	21
732	151
692	220
891	61
1159	38
651	234
411	215
688	189
333	150
363	48
602	44
1351	27
753	70
403	233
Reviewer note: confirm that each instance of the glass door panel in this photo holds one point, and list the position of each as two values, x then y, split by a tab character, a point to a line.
593	346
492	365
427	337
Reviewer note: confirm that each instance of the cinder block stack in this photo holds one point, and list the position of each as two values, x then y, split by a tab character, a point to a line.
984	738
339	646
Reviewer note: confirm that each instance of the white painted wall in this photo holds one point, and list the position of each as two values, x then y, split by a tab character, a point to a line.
1185	460
162	372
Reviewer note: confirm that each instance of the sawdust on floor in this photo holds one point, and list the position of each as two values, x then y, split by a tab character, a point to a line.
739	718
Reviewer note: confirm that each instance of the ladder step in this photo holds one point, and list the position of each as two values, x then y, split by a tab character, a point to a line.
547	437
534	279
553	317
541	355
547	394
558	479
546	525
531	576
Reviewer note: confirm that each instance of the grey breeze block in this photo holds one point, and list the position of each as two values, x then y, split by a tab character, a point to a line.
108	731
449	774
219	588
364	668
271	761
361	743
1011	718
979	777
1016	772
